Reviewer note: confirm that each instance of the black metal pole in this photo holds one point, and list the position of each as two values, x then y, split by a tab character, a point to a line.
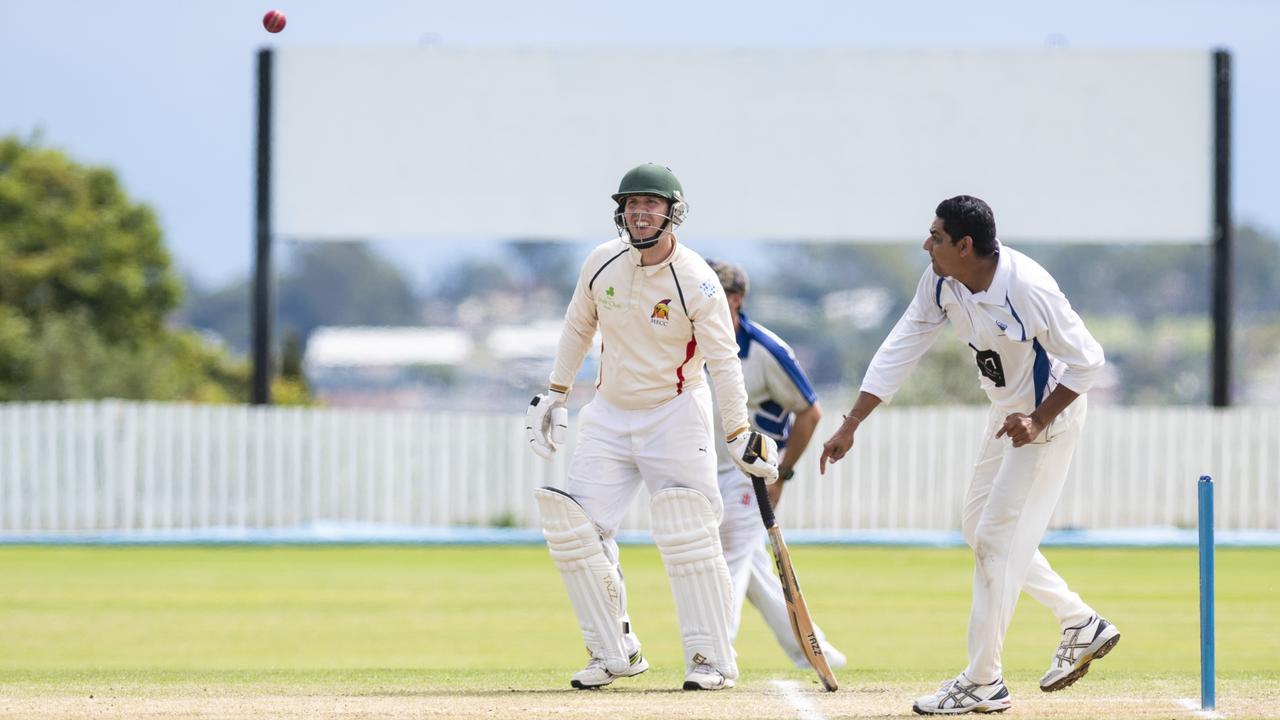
261	306
1222	271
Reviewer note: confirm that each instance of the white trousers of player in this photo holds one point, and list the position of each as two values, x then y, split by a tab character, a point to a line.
1006	512
751	565
672	445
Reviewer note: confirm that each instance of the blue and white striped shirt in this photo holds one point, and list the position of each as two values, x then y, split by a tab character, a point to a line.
777	387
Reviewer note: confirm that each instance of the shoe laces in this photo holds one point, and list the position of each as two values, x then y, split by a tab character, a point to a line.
1072	643
962	691
946	685
1079	628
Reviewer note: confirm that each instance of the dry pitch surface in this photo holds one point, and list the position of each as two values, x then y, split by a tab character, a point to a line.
640	698
759	698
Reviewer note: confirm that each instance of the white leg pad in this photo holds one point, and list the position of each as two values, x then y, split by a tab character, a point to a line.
686	530
592	579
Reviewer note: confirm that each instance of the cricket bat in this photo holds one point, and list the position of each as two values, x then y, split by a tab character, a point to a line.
801	623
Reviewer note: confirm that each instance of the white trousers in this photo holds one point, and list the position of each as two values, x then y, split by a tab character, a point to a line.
672	445
1006	512
751	565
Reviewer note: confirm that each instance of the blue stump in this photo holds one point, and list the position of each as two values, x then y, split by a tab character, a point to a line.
1207	699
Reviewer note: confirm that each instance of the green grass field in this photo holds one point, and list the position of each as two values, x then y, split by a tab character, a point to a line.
466	631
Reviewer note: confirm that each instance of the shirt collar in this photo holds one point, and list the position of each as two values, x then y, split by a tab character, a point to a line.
998	292
652	269
744	334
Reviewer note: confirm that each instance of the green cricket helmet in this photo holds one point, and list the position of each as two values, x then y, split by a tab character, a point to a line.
655	180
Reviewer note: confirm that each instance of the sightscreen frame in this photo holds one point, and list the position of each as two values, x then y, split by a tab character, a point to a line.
756	204
770	144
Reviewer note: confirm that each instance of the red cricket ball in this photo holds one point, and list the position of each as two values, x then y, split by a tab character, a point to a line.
273	21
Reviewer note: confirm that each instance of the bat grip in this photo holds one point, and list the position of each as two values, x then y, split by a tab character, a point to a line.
762	499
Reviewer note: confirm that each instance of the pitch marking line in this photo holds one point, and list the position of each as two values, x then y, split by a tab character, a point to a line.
804	707
1194	707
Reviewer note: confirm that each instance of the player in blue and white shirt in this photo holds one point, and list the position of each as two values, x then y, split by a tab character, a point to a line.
781	403
1036	360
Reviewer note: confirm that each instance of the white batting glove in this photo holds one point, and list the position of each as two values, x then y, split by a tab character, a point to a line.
756	455
546	422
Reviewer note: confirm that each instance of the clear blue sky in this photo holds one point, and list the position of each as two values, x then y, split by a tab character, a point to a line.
163	91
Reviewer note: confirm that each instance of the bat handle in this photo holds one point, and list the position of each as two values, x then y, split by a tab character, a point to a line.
762	499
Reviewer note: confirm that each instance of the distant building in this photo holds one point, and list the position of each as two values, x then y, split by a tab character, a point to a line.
384	347
443	368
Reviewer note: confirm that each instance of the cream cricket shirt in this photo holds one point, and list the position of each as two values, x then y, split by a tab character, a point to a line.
1026	338
659	326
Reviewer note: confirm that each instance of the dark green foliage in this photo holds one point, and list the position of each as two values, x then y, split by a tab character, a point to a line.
343	284
86	290
70	239
323	284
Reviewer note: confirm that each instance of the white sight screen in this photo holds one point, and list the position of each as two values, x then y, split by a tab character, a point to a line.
831	145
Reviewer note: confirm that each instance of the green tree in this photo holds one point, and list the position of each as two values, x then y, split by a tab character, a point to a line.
343	284
70	239
1148	305
1257	263
86	290
322	284
476	277
223	311
546	263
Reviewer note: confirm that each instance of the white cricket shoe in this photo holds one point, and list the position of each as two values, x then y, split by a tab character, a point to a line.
960	695
594	675
704	677
835	658
1080	646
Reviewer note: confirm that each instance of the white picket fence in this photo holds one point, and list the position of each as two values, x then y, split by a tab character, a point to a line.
125	466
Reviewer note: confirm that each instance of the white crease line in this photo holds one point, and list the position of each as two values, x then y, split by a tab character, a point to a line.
804	707
1194	707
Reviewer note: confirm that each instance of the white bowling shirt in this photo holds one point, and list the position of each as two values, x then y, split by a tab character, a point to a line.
1025	336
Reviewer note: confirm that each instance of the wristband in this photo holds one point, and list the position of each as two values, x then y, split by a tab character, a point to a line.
787	474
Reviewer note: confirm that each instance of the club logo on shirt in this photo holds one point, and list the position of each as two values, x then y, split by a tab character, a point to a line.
1002	326
607	301
661	313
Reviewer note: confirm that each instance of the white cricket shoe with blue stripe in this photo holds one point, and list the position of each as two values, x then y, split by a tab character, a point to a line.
1081	645
960	695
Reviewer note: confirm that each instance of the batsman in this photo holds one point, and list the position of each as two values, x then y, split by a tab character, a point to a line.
662	317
